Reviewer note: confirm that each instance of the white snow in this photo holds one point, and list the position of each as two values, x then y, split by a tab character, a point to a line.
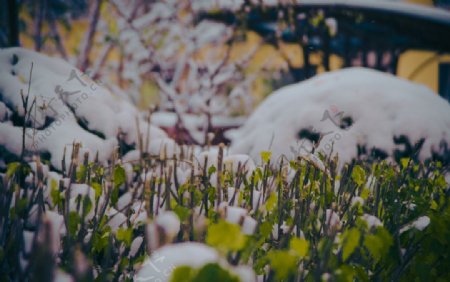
249	225
57	229
371	220
380	105
28	237
169	221
124	200
245	162
162	230
232	192
284	229
332	219
140	214
206	160
357	201
135	245
235	214
4	112
77	194
116	219
420	224
61	276
169	119
257	197
163	261
162	146
69	98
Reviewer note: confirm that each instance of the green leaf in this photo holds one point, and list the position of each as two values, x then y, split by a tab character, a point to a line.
54	193
213	272
119	179
225	236
74	221
119	176
21	207
115	195
209	272
265	229
87	205
81	173
100	241
265	156
379	243
365	193
258	174
124	262
345	273
351	241
404	162
211	170
12	168
271	203
358	175
98	189
300	246
182	212
182	273
125	235
283	263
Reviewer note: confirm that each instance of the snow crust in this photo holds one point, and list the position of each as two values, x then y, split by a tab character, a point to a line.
346	108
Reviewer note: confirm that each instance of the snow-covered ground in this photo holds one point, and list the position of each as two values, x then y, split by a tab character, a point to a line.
341	110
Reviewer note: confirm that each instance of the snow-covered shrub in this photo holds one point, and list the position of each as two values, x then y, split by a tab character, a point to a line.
94	223
56	106
353	113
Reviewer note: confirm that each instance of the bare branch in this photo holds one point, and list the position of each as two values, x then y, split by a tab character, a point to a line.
86	46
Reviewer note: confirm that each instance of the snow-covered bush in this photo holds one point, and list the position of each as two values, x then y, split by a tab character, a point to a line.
54	106
353	113
216	223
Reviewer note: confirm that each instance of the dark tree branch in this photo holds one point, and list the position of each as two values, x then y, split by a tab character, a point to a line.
86	47
13	22
38	20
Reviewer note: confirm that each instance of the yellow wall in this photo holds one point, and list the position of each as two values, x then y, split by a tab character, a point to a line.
421	67
422	2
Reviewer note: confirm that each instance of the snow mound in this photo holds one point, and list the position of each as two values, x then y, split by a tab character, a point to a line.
163	261
65	106
353	112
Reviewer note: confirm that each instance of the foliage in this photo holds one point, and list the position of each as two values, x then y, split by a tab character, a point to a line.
296	236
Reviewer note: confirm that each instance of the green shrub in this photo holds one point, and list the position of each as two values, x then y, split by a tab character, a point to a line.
312	224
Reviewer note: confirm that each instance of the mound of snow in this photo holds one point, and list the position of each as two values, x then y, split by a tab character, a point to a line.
160	265
351	112
65	106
